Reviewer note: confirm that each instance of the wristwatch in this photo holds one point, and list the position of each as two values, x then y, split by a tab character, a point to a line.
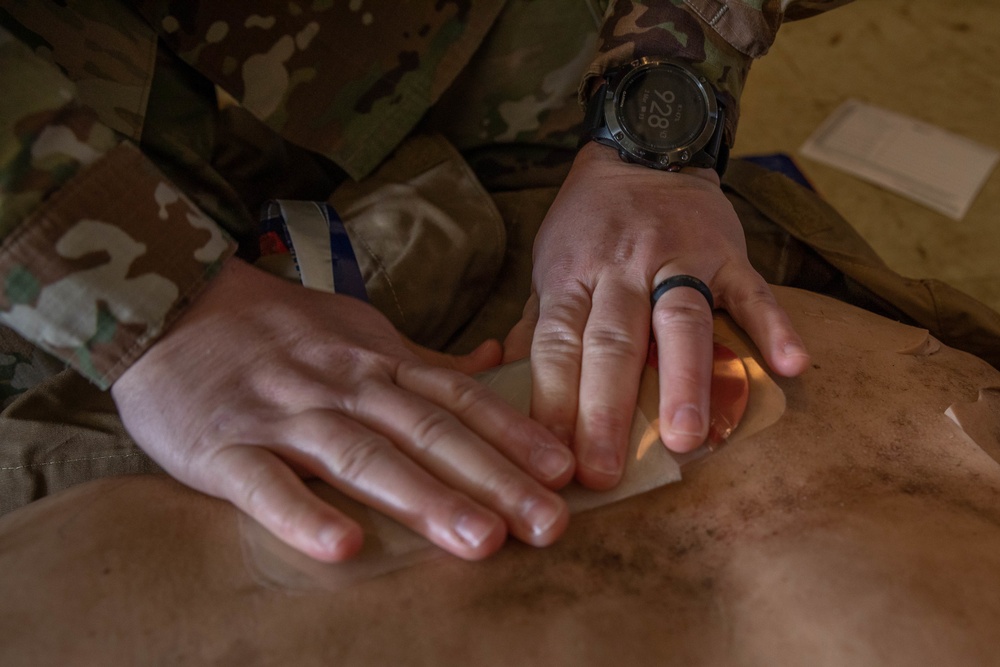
660	113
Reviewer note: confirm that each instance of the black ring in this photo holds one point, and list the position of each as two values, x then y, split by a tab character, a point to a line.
682	280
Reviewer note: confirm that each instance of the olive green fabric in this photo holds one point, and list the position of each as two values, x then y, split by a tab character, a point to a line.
62	432
797	239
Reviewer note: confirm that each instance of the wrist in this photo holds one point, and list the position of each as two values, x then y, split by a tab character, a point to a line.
224	288
593	154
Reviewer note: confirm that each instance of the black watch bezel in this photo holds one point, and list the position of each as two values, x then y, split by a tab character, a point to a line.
606	126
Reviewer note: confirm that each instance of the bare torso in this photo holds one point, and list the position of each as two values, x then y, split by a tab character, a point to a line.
862	528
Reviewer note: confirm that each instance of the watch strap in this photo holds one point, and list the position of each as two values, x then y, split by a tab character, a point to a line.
594	127
714	154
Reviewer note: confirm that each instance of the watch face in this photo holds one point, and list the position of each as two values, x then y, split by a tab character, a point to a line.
662	108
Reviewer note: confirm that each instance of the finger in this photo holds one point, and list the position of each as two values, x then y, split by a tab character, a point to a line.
615	345
521	440
446	447
556	358
517	344
264	487
750	301
370	469
682	325
487	355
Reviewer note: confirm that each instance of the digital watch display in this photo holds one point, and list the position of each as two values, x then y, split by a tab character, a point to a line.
660	113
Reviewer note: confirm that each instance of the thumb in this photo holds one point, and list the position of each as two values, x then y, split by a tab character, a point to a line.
517	344
488	354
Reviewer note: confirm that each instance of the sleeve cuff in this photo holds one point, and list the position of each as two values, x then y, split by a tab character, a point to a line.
98	271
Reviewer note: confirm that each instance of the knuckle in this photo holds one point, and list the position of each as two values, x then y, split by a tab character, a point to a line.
684	381
755	294
683	316
438	514
432	428
253	490
444	505
356	460
555	330
283	518
508	488
612	342
287	520
556	342
605	422
465	395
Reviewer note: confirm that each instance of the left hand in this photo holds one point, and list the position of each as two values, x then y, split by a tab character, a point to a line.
614	231
261	382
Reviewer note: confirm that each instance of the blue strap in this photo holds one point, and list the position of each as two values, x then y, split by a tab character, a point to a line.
318	241
347	278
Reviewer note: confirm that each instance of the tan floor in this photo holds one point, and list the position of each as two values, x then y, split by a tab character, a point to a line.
936	61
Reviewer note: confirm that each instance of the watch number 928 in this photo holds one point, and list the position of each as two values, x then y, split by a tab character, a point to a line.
661	109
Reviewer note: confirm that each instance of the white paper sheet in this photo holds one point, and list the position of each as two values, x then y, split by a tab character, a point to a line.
937	168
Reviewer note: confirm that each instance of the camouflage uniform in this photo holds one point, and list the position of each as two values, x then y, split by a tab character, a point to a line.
75	187
139	138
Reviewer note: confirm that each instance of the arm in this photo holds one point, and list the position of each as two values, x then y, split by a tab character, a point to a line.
617	229
238	383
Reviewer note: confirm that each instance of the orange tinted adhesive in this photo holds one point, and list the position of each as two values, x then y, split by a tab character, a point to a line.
730	393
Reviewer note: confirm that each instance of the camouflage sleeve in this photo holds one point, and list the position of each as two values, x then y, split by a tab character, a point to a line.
349	80
720	38
98	251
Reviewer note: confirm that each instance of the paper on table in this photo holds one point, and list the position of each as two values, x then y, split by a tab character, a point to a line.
926	163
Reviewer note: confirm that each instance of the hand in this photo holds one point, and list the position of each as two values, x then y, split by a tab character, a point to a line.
614	231
263	381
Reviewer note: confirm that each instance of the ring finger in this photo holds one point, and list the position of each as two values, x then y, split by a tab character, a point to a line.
682	326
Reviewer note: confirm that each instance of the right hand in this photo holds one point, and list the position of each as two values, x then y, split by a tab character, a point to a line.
262	382
615	230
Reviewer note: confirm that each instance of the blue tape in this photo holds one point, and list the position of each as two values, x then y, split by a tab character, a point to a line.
339	255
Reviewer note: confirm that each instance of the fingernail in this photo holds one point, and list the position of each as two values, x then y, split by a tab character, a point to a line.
330	536
473	529
541	512
551	462
686	421
794	350
604	460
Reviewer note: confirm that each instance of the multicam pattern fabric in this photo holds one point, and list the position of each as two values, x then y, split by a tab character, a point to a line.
110	282
720	38
347	79
48	135
521	85
22	366
100	250
103	47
